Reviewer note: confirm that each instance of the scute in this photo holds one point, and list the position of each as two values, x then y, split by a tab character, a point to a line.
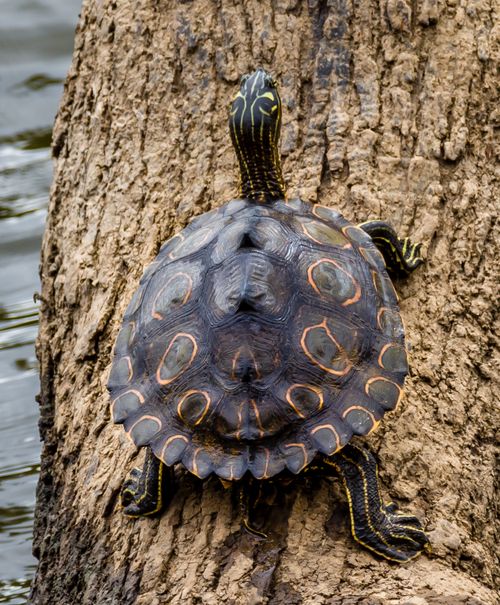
298	454
232	467
126	404
249	278
332	280
261	335
178	356
330	434
246	351
384	391
169	446
193	407
322	233
198	460
265	462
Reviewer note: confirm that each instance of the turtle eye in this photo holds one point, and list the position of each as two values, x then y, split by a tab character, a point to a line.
243	79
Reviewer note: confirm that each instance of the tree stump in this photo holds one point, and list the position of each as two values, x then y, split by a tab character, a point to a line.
389	112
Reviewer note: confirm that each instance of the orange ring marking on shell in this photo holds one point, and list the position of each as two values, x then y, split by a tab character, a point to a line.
375	275
194	463
147	417
375	423
130	368
375	379
181	238
257	371
235	360
365	253
201	242
231	473
330	335
156	315
319	206
347	227
310	279
304	229
169	441
138	393
381	311
240	420
358	407
193	355
332	429
381	354
266	467
132	323
309	387
205	410
304	452
257	417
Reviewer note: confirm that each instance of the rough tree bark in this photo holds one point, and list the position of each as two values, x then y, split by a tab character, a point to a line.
389	111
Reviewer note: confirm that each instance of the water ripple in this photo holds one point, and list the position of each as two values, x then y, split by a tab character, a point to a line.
18	324
35	51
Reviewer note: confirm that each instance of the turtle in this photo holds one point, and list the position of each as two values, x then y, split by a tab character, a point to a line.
264	340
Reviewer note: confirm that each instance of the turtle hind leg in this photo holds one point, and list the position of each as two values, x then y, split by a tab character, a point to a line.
378	527
401	255
249	496
147	491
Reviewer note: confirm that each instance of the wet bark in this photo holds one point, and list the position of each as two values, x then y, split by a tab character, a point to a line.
389	112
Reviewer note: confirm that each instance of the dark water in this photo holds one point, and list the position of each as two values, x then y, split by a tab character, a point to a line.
36	40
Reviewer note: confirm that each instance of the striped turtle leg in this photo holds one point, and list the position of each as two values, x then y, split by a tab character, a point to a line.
147	491
378	527
400	255
249	496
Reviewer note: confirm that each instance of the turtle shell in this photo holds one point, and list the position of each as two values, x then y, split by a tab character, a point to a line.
260	335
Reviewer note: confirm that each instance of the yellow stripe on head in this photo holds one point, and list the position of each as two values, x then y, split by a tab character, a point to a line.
255	124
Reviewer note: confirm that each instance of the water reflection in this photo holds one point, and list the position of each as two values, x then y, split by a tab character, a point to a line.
24	181
16	591
17	325
24	177
38	138
37	40
36	82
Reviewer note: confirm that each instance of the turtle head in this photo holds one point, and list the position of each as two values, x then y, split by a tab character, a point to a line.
255	123
256	110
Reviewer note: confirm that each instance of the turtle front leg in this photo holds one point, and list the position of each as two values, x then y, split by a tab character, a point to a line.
375	525
401	255
147	491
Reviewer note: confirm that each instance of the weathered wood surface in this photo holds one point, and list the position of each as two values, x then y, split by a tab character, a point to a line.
389	111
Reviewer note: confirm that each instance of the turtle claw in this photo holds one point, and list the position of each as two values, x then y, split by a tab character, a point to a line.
411	254
131	487
391	511
401	519
391	507
135	474
134	510
399	538
129	491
